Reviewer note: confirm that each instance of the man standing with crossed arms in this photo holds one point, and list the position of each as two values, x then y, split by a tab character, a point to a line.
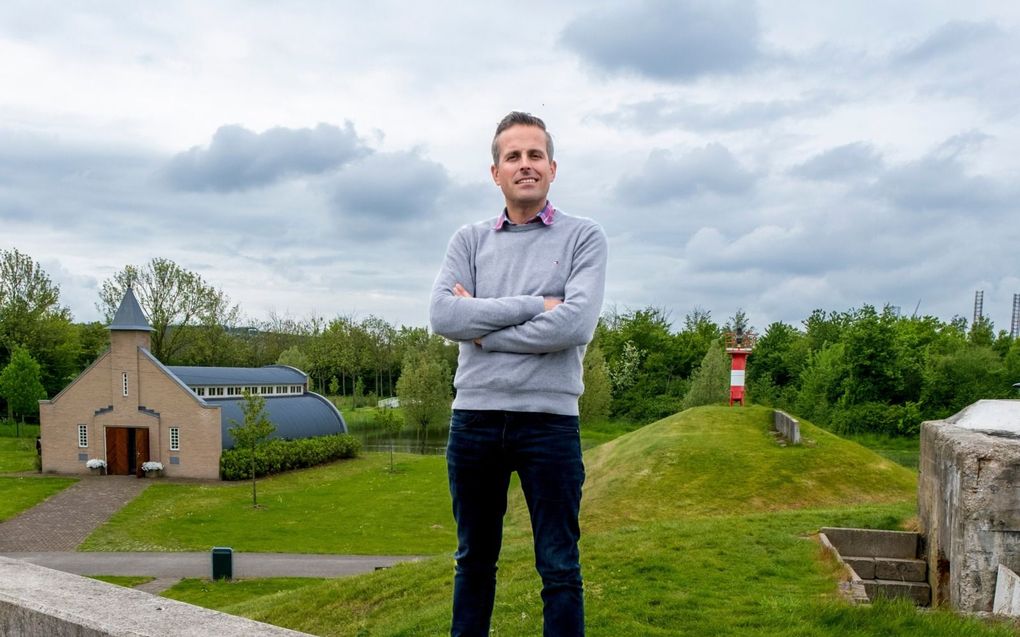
522	293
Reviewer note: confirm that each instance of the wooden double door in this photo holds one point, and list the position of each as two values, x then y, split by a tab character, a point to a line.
127	448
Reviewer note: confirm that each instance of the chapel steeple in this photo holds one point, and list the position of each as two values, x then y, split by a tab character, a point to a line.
129	316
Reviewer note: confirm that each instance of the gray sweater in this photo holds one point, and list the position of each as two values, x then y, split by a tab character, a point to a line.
528	359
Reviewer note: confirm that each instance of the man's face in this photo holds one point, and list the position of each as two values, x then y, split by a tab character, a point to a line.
524	171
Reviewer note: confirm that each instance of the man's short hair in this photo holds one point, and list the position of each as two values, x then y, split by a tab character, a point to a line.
517	118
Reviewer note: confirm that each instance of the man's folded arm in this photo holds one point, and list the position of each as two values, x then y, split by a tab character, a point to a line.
570	324
463	318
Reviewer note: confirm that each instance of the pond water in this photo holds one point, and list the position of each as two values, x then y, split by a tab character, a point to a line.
409	441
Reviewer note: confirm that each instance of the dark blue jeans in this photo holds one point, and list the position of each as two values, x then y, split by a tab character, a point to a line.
485	447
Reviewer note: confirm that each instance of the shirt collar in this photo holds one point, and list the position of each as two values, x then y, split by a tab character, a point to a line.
546	216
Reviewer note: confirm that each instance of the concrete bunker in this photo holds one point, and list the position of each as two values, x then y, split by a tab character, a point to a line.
969	502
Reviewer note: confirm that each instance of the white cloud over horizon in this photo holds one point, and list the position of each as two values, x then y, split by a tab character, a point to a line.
316	159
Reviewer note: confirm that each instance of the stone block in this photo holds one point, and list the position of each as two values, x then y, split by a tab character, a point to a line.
1007	593
863	566
901	570
917	592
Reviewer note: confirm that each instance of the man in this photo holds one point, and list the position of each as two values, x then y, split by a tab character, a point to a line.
522	293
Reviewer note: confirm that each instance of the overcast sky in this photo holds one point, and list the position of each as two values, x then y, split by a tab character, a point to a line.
315	157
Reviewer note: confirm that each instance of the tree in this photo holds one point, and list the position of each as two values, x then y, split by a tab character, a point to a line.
773	371
20	385
738	322
255	429
953	381
710	383
179	303
424	391
294	357
388	422
822	383
31	317
597	398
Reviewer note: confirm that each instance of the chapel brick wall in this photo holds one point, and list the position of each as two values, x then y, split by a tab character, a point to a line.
76	405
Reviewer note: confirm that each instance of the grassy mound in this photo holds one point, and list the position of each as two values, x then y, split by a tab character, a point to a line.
720	460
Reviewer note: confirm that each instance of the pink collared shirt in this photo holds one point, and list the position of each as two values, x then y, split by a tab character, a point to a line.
545	215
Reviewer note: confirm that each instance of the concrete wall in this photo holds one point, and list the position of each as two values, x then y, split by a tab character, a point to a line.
787	425
40	601
969	506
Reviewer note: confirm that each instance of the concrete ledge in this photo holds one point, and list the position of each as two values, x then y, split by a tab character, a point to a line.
786	425
39	601
873	543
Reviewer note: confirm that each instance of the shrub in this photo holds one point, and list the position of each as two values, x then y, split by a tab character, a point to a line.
280	455
874	417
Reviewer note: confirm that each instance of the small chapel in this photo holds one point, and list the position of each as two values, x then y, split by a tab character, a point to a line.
127	408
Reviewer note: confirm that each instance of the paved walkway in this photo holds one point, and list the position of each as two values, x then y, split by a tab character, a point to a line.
200	564
63	521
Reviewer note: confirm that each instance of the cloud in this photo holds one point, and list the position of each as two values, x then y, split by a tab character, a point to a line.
711	169
668	39
840	163
950	39
666	113
237	158
940	181
384	189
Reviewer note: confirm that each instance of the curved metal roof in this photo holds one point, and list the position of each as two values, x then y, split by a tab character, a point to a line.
234	376
302	416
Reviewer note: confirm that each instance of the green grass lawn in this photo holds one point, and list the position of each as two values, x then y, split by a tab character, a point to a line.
698	524
594	434
20	494
223	594
750	575
10	428
127	581
352	506
901	450
17	454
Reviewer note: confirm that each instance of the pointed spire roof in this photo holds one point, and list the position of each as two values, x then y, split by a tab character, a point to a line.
130	316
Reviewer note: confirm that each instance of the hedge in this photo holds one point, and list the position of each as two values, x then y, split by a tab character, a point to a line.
278	455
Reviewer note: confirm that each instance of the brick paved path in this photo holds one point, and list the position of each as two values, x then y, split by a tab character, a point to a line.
63	522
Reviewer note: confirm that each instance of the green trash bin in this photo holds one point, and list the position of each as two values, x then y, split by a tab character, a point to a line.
222	562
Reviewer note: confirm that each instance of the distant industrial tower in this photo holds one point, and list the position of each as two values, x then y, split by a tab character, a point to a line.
1014	327
979	306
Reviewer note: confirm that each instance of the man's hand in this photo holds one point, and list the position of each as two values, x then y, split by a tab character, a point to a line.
551	302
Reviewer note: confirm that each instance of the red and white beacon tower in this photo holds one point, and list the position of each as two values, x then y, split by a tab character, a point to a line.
738	345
